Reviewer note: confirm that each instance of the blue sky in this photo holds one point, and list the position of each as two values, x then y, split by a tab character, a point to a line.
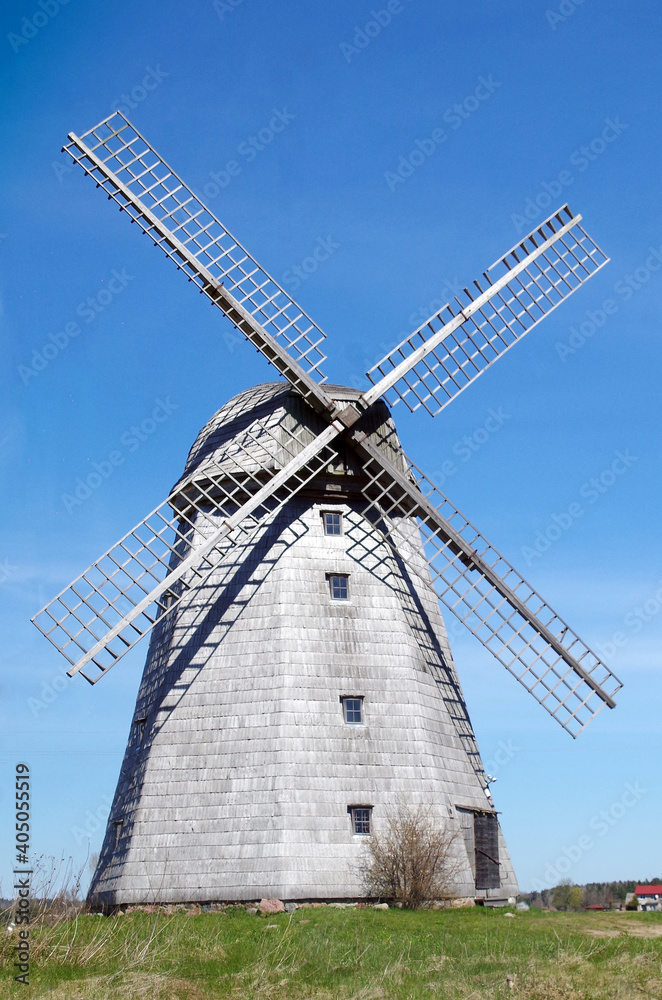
559	101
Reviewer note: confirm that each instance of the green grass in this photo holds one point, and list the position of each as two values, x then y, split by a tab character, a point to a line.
329	954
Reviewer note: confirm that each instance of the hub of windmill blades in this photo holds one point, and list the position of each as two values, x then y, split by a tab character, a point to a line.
142	579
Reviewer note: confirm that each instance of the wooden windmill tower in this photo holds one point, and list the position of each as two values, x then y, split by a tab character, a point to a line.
299	679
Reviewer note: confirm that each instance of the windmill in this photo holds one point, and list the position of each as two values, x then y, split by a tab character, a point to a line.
299	678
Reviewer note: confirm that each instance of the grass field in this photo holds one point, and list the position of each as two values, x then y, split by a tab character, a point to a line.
324	954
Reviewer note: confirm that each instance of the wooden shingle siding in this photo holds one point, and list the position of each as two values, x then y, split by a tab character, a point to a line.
240	786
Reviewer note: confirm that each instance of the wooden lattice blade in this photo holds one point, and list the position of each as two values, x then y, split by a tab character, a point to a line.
492	599
99	617
133	175
458	343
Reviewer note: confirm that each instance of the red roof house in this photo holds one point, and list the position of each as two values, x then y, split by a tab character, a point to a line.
649	897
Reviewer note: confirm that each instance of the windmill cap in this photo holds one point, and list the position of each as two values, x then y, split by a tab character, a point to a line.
281	409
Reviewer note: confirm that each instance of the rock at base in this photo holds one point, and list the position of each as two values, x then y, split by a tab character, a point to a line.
272	906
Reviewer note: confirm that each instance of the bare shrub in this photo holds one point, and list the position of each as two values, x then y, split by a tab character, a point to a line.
55	889
414	860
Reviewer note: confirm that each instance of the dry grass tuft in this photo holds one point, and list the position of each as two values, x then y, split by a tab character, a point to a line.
131	986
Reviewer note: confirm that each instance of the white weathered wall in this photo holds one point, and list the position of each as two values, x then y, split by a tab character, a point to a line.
241	785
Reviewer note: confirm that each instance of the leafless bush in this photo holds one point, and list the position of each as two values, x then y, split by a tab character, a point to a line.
55	889
413	860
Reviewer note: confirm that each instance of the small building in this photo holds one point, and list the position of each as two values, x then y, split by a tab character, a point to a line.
649	897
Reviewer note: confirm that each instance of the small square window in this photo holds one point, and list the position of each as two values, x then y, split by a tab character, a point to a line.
332	523
360	817
353	711
339	586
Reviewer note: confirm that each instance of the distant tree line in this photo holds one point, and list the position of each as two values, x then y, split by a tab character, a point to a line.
568	896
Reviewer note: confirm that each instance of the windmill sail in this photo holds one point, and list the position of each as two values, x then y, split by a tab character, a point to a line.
136	177
492	600
458	343
102	614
